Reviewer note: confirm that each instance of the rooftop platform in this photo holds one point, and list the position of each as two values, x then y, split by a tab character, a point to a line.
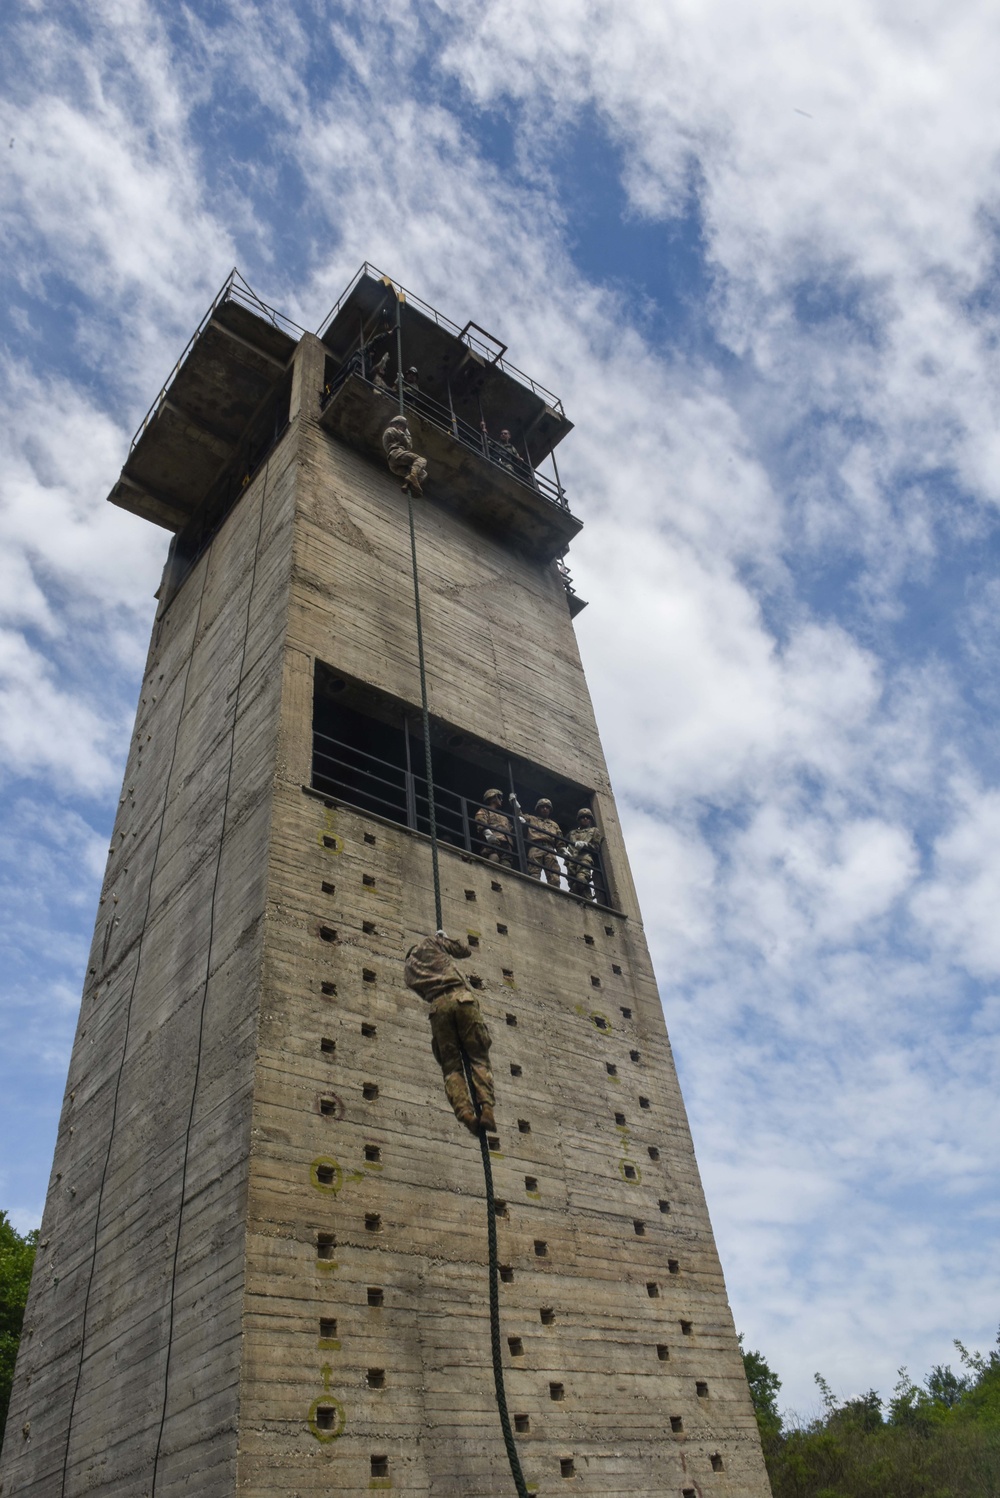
198	423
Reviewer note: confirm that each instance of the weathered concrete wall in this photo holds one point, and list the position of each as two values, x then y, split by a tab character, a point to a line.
639	1315
163	1061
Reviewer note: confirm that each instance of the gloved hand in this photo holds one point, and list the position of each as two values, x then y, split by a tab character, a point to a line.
443	934
514	802
489	834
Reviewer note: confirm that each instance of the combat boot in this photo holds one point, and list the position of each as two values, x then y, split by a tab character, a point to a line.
413	481
487	1120
467	1117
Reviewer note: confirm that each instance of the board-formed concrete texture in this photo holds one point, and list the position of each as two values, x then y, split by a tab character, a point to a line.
263	1257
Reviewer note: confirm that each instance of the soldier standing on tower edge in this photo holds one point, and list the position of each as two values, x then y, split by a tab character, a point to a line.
497	829
582	844
456	1026
545	839
402	460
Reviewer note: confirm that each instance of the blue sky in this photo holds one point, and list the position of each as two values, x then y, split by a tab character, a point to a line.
755	251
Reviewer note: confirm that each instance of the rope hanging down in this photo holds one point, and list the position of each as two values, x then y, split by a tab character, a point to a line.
491	1211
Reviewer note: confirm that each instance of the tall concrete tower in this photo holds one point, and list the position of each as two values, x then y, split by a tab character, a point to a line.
263	1258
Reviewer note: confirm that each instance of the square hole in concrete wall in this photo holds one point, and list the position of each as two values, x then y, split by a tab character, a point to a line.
652	1290
546	1315
640	1228
329	989
521	1424
470	894
567	1466
609	930
327	1328
373	1153
635	1056
644	1102
673	1266
676	1424
689	1493
506	1273
326	1175
327	933
501	1209
475	981
541	1249
325	1245
653	1152
701	1389
326	1417
329	842
515	1070
599	1021
368	974
376	1378
511	1019
686	1328
369	1092
501	929
368	880
368	1031
626	1012
589	940
508	974
376	1295
718	1465
615	968
328	1106
531	1183
620	1120
629	1172
368	927
373	1222
663	1352
370	839
380	1466
493	1140
328	1046
473	940
516	1347
611	1068
523	1126
556	1392
328	888
496	886
664	1206
595	982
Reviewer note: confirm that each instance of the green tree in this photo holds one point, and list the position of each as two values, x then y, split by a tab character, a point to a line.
17	1255
764	1385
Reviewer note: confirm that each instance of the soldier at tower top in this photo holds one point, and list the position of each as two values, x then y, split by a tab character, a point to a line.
545	840
403	461
583	844
504	451
497	829
456	1026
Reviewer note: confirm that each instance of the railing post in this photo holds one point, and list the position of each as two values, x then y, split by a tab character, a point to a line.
411	790
466	832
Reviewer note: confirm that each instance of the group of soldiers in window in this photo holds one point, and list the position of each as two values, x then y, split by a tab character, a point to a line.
544	841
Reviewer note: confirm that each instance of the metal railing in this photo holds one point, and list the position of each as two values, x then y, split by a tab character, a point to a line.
398	794
463	334
233	289
428	409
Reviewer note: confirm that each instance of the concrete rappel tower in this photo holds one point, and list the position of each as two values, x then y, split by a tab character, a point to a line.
262	1267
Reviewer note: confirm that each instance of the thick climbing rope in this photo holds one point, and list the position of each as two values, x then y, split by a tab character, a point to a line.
491	1208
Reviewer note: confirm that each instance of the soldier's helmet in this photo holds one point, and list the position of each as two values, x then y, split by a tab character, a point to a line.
585	811
398	421
412	370
543	802
493	795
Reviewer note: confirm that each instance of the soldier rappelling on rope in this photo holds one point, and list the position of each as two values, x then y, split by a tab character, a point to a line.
456	1026
403	461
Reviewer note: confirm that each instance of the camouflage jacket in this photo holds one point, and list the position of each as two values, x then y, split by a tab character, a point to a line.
543	831
397	439
429	970
487	817
589	835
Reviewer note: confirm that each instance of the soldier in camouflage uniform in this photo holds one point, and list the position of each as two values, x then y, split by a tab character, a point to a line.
544	837
582	844
402	460
497	830
456	1026
378	376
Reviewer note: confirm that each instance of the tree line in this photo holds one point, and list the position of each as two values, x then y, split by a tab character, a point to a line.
936	1439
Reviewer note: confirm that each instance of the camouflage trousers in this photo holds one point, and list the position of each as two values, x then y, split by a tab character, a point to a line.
401	462
540	858
458	1027
580	869
500	850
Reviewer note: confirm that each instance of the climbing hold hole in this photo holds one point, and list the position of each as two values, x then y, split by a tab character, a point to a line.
566	1466
616	969
380	1466
368	880
676	1424
329	842
516	1347
475	981
501	1209
496	886
506	1273
547	1315
368	927
556	1391
663	1352
376	1378
640	1228
328	1106
373	1153
327	1328
325	1175
515	1070
628	1171
644	1102
600	1021
508	974
368	974
664	1206
620	1120
473	940
686	1328
589	940
595	982
718	1465
373	1222
470	894
327	933
326	1416
369	1092
652	1290
609	930
376	1295
701	1389
611	1068
329	989
521	1424
325	1244
673	1266
370	837
635	1056
653	1152
626	1012
328	1046
493	1140
541	1249
531	1183
369	1031
523	1126
328	888
501	928
512	1019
